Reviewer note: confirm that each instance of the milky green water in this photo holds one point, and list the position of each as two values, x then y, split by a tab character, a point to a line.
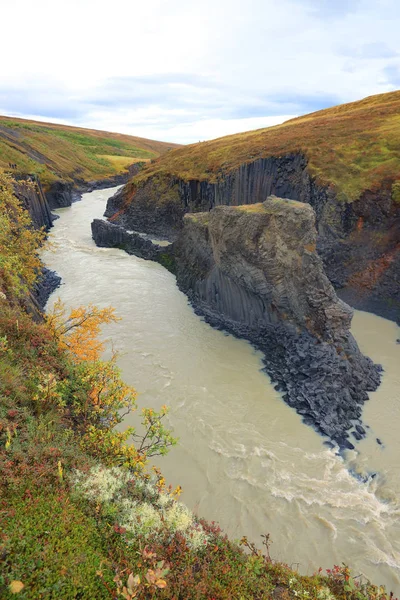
244	458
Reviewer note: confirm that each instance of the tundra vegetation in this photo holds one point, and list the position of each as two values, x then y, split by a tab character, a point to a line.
82	512
351	148
53	152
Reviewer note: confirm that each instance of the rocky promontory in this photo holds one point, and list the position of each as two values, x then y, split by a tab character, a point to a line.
359	241
254	271
108	235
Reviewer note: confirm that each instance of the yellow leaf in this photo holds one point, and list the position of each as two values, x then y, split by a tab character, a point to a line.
16	587
161	583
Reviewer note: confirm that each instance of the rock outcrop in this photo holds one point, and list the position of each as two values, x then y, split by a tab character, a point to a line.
30	193
108	235
254	271
46	284
359	242
62	193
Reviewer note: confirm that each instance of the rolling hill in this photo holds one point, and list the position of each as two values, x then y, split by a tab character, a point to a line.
352	147
55	152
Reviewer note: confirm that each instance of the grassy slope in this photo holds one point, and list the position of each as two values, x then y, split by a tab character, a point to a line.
353	147
57	151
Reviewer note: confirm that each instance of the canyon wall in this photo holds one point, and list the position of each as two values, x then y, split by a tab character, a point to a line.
359	242
62	193
31	194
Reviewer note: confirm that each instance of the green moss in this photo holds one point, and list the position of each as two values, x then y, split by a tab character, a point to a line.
167	260
252	208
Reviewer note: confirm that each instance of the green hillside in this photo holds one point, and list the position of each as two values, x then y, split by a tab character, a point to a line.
70	153
353	147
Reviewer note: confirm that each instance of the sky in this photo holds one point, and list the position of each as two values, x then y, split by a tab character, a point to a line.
189	70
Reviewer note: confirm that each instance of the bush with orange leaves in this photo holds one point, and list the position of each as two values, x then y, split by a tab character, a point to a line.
94	396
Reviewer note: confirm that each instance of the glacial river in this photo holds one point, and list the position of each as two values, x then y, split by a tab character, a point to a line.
244	458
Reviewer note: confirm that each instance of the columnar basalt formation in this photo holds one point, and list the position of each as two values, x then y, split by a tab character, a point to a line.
30	193
62	194
254	271
359	242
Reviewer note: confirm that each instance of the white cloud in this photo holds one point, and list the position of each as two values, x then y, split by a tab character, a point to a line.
190	69
186	132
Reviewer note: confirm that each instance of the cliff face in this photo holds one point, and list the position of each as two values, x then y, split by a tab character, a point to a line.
108	235
254	270
31	195
359	242
62	193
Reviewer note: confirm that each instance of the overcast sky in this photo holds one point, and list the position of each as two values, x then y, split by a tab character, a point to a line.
190	70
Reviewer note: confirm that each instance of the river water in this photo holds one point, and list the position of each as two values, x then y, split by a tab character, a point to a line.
244	458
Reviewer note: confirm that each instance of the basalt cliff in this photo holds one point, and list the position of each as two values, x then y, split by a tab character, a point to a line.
254	270
343	161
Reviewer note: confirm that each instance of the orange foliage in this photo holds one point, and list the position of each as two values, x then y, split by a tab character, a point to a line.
79	332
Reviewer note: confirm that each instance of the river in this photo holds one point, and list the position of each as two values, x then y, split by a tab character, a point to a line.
244	458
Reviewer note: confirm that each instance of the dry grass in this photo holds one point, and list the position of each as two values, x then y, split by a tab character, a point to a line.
57	151
352	147
123	162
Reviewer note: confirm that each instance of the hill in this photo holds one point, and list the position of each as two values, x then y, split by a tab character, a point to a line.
353	147
344	161
55	152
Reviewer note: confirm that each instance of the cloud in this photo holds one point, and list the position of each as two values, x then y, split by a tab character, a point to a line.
371	50
392	75
332	8
187	68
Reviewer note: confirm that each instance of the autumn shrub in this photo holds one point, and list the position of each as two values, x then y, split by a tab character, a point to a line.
139	506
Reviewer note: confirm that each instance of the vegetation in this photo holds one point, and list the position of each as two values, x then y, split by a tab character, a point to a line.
82	515
353	147
70	153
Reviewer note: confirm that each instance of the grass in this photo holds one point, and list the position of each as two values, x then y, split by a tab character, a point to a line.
352	147
60	152
123	162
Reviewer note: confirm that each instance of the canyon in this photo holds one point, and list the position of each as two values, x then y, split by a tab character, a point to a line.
254	271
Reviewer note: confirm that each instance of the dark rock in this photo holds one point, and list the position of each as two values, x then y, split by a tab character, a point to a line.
108	235
45	285
255	273
344	443
379	441
30	193
359	242
60	194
